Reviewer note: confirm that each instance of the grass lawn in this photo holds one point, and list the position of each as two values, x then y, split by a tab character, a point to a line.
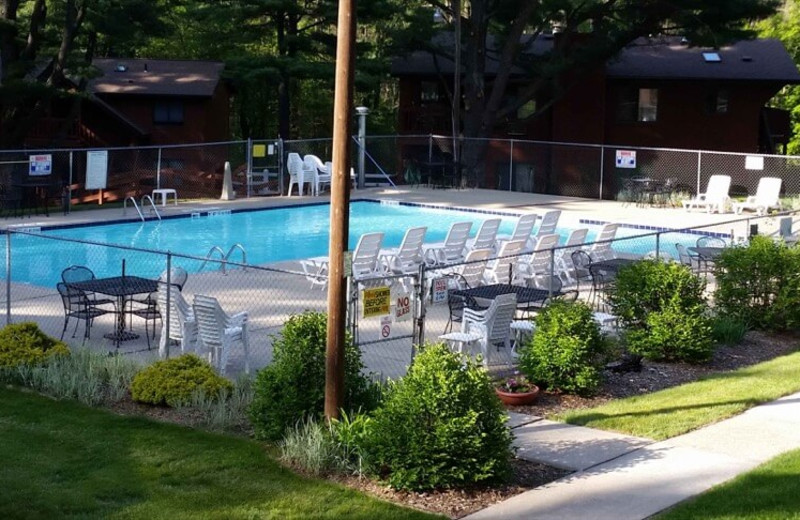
677	410
766	493
63	460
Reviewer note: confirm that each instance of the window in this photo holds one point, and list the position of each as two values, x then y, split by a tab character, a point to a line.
429	92
168	112
717	102
637	104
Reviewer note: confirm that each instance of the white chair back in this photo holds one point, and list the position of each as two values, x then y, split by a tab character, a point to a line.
455	242
366	255
409	255
216	331
524	227
500	329
768	192
294	165
717	189
549	223
182	325
602	250
487	234
475	265
507	257
576	239
539	261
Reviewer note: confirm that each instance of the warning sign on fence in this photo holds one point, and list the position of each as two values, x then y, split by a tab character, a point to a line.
439	290
386	327
402	308
376	301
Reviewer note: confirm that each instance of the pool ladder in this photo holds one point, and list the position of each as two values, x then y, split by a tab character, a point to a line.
145	198
224	257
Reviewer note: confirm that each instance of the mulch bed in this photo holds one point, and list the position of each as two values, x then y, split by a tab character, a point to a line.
755	348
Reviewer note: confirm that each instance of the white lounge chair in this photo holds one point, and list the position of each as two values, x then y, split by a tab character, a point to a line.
538	264
601	249
316	172
407	258
366	262
488	327
502	269
522	230
294	165
549	223
768	195
182	325
216	331
470	273
564	255
453	248
716	195
487	235
329	171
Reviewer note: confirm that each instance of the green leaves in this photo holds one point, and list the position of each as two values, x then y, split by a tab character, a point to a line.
174	381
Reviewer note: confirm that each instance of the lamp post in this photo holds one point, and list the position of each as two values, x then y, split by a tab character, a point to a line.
362	143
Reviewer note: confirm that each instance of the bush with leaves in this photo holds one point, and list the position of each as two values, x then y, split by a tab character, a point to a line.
25	344
663	311
759	284
292	388
174	381
567	352
441	425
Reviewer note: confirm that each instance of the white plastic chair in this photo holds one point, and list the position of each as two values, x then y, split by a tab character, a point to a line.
522	230
715	197
407	258
491	326
182	325
367	257
564	255
601	249
487	235
317	172
768	195
549	223
216	331
294	165
329	171
539	262
502	269
452	250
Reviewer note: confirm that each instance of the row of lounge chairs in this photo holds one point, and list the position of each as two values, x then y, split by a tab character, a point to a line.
716	197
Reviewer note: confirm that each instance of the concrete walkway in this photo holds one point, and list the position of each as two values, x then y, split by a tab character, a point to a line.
618	477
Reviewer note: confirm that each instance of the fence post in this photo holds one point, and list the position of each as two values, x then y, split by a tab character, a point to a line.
169	306
418	333
158	170
69	186
8	277
281	168
511	166
352	311
658	245
249	173
602	170
552	272
699	169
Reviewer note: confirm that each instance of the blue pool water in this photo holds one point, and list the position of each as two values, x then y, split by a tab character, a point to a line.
268	236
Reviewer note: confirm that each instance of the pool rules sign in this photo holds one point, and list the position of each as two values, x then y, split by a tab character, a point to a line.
376	301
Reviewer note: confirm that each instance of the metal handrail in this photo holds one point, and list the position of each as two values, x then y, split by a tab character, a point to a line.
208	257
152	204
233	248
125	207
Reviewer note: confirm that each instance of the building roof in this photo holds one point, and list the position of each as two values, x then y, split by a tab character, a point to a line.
156	77
648	58
672	58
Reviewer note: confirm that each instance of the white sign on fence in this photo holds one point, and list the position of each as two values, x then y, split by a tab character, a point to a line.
40	165
96	170
626	159
440	290
402	309
386	327
754	162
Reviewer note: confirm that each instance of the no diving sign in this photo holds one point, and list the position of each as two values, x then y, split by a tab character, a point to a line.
386	327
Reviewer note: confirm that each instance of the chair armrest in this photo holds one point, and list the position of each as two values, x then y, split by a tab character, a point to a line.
473	315
237	320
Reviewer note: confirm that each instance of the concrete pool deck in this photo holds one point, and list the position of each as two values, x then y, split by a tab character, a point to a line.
271	297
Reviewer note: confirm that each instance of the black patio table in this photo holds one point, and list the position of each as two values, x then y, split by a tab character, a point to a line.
525	295
613	264
707	253
120	287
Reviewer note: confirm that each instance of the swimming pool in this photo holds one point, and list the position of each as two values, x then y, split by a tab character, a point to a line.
268	236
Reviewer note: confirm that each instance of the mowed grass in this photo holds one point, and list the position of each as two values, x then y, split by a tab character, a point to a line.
766	493
63	460
677	410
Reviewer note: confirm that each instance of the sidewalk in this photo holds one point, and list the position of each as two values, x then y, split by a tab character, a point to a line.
618	477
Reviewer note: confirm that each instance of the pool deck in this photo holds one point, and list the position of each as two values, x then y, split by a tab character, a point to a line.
271	297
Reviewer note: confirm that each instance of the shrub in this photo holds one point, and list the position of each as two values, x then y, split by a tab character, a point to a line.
441	425
663	311
292	387
174	381
567	352
90	377
24	344
760	284
728	330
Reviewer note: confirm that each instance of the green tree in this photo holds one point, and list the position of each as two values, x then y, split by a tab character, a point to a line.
785	26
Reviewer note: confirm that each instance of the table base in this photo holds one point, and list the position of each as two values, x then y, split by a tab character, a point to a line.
121	336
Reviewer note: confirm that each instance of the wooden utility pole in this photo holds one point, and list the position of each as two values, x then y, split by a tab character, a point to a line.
340	209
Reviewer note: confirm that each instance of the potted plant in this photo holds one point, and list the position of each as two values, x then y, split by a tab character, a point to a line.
516	390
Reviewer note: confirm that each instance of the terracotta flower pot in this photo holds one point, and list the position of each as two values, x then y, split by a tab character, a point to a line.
517	398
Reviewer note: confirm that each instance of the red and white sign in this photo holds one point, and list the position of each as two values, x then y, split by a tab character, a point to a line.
386	327
402	309
439	290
